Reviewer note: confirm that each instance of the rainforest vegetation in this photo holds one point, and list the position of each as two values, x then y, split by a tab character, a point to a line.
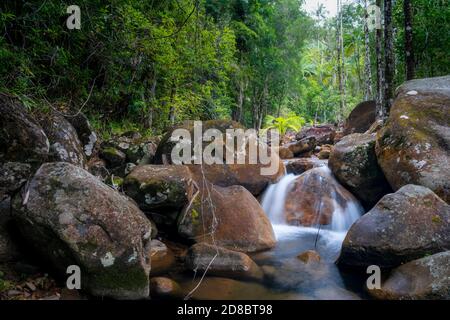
149	64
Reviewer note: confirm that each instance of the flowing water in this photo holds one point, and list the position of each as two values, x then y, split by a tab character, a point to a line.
290	275
286	276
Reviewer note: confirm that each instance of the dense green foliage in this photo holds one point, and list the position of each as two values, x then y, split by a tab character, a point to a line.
149	64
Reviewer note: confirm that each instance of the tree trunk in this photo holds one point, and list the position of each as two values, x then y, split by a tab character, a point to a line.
409	51
172	106
380	68
389	57
367	66
340	62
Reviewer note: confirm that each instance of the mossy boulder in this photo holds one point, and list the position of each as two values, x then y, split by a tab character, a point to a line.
403	226
354	163
71	218
229	217
160	189
414	145
64	142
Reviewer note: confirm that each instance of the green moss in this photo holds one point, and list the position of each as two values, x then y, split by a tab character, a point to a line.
114	278
436	219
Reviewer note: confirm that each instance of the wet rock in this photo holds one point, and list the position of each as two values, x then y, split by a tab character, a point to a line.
313	198
229	217
309	256
403	226
425	278
13	175
361	118
414	145
300	165
162	258
70	217
21	137
321	134
161	189
161	287
85	132
64	142
354	163
222	262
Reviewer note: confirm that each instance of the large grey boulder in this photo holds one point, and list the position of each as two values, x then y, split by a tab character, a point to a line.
403	226
71	218
414	145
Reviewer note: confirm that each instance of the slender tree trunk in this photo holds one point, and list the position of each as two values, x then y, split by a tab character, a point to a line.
240	102
389	56
409	49
152	102
340	62
380	68
367	66
172	106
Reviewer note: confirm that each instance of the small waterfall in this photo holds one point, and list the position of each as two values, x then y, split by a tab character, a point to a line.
275	197
345	211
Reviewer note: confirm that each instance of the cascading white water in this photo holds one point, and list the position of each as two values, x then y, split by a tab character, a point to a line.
275	197
343	216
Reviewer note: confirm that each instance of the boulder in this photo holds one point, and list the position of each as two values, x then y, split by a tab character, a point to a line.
361	118
425	278
217	261
321	134
315	196
13	175
162	258
229	217
21	138
354	163
300	165
86	133
403	226
71	218
160	188
414	145
64	142
247	174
